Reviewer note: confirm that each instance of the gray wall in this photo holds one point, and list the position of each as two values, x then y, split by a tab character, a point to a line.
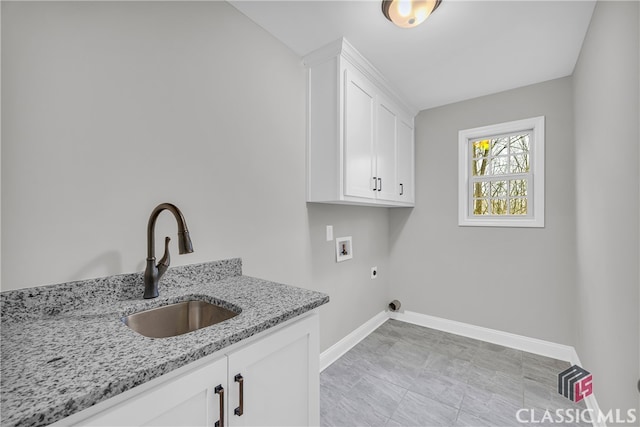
606	88
109	108
519	280
92	91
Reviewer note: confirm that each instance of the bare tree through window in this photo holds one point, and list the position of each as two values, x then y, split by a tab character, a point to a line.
500	169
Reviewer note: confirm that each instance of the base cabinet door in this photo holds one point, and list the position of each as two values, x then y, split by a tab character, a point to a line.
194	399
275	382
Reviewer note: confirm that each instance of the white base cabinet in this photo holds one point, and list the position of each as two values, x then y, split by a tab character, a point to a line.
360	139
273	380
189	400
281	381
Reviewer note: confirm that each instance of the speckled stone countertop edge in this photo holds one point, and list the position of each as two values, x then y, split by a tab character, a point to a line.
60	377
55	299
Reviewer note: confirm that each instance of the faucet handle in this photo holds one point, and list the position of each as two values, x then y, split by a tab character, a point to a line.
164	262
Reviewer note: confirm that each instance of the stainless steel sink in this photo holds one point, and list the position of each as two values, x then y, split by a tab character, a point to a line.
177	319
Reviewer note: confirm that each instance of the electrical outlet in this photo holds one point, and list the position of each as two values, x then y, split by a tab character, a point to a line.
374	272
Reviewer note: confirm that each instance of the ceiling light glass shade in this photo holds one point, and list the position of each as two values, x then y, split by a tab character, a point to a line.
408	13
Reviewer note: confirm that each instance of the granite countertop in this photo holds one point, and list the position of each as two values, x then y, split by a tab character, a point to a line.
65	348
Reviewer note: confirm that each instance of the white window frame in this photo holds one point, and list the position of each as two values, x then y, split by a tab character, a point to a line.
535	201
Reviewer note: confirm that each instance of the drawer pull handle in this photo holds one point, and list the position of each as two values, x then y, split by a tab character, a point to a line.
240	409
402	189
379	184
220	390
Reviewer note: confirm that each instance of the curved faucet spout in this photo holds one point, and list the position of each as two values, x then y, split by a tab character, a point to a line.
153	272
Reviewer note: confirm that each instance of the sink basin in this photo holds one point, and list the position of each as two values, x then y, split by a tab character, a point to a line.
177	319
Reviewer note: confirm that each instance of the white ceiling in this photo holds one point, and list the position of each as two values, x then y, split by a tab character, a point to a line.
464	50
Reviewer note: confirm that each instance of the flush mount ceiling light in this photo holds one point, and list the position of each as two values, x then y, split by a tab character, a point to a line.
408	13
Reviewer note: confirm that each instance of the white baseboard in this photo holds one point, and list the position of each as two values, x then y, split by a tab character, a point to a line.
334	352
506	339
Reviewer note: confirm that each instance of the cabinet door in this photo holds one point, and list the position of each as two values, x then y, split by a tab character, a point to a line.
406	163
280	379
385	148
188	400
359	110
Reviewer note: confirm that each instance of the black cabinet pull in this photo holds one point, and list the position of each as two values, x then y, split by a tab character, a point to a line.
380	184
375	184
402	189
220	390
240	409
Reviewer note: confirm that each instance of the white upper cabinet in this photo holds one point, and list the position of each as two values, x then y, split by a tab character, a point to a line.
406	169
360	147
359	154
386	158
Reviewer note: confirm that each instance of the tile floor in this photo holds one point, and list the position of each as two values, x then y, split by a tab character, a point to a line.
408	375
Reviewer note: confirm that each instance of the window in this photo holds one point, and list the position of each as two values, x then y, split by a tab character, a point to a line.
501	174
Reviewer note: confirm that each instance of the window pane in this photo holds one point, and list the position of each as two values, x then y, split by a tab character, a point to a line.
498	188
519	144
519	164
499	165
480	207
499	206
518	206
480	148
479	166
499	146
518	187
481	189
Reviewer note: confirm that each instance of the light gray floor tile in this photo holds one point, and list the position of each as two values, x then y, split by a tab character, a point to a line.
542	396
542	369
365	357
464	341
407	375
418	410
394	372
408	354
504	384
492	407
375	343
448	365
329	401
501	350
442	388
372	394
410	333
392	423
498	358
340	377
346	413
458	347
467	420
537	360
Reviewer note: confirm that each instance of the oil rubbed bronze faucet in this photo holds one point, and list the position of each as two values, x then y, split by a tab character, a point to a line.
153	272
